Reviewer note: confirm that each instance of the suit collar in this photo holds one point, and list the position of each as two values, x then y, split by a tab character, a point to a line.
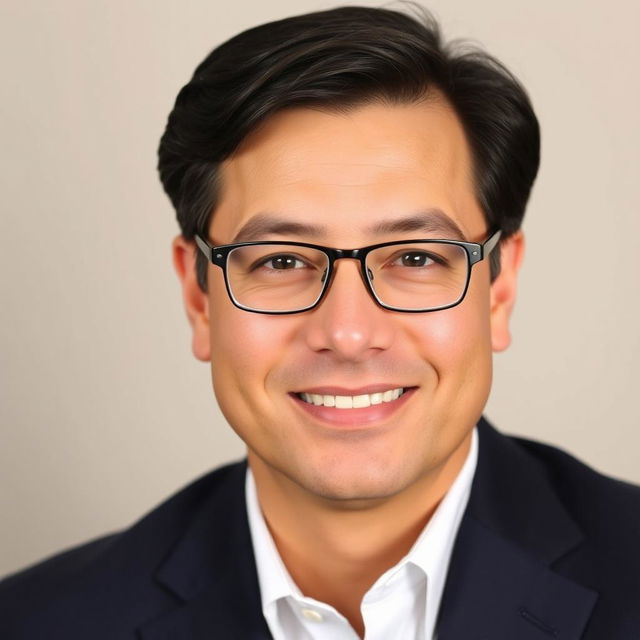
500	583
212	570
513	496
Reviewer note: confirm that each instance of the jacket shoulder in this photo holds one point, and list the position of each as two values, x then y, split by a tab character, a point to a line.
607	511
567	517
102	588
600	504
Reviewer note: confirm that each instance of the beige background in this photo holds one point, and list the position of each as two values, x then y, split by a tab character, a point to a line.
104	412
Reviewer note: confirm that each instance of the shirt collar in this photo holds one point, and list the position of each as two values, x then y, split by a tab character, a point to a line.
432	550
273	577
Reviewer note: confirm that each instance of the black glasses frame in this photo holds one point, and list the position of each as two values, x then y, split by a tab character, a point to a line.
475	252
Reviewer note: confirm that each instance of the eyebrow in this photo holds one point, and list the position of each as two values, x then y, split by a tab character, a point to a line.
264	224
430	221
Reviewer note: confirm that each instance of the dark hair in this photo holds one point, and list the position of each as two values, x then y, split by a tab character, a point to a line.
336	60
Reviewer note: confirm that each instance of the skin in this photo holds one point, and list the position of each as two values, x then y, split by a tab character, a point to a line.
358	494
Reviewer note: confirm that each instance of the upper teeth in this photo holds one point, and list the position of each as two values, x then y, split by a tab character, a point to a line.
352	402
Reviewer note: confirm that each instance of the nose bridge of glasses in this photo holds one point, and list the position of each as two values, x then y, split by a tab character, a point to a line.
350	254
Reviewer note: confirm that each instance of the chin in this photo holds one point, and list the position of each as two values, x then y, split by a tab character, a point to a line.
364	483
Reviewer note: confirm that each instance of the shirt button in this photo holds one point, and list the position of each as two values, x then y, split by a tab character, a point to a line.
311	614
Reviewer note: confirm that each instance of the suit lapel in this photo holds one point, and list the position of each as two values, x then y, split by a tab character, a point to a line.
495	591
212	572
501	584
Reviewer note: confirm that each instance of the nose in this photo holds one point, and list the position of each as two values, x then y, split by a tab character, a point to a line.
348	322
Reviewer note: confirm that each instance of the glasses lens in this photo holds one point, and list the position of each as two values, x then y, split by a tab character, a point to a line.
418	276
276	277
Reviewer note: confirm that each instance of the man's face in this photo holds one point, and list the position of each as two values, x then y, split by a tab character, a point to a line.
339	177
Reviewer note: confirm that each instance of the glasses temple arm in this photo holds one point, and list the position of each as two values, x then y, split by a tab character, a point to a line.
491	243
205	247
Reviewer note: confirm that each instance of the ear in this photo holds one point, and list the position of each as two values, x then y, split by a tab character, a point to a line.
196	301
503	290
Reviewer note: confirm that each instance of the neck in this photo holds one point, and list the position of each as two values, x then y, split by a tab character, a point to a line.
335	552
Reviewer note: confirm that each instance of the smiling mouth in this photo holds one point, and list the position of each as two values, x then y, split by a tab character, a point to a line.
352	402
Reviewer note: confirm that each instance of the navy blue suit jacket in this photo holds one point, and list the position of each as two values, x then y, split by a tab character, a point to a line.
547	548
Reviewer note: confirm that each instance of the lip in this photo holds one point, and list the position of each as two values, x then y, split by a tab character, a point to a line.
366	417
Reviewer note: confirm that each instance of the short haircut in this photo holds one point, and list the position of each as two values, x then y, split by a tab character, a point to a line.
337	60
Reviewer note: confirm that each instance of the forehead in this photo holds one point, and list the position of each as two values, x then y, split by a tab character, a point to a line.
349	173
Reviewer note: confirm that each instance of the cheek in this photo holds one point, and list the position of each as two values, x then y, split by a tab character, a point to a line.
243	353
241	342
245	347
457	341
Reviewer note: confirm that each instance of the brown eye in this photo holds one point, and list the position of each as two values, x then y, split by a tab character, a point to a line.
282	262
414	259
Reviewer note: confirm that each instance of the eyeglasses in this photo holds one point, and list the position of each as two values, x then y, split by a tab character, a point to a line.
412	276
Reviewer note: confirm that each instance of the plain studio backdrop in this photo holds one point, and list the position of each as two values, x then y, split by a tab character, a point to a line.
104	411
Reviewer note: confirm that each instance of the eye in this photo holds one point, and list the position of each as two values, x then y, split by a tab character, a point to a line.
282	261
414	259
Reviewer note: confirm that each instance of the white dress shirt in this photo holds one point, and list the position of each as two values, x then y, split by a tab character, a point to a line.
402	604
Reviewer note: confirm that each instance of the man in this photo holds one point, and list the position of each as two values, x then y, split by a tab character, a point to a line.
350	193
